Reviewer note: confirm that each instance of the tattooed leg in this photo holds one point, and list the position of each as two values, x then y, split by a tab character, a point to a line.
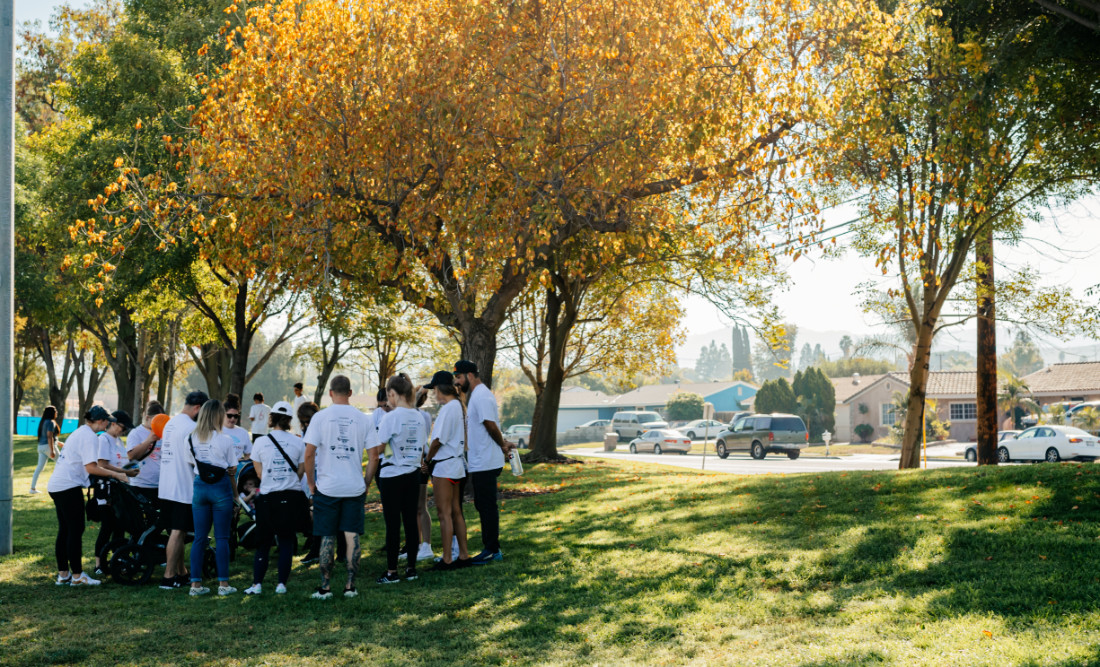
328	559
353	557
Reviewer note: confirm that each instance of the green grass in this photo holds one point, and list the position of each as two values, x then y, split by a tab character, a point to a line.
627	563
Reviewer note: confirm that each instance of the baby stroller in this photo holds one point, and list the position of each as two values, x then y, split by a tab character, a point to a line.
130	561
244	517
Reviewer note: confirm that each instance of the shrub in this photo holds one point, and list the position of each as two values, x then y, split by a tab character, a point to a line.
864	431
684	406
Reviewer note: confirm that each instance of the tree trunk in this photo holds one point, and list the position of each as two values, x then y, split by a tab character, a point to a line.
124	362
544	429
88	378
987	349
479	345
918	391
137	407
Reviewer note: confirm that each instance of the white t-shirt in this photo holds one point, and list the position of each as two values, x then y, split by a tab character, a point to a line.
242	441
79	450
148	476
177	482
377	416
257	414
111	450
448	430
483	453
276	472
403	430
340	433
217	451
427	417
295	425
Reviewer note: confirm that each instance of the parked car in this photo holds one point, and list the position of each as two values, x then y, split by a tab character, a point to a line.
595	423
701	428
971	452
761	434
660	440
632	424
519	434
1050	443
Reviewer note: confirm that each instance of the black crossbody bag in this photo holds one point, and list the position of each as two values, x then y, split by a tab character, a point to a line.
278	447
211	474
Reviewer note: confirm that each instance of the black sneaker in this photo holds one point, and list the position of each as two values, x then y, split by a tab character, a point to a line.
311	560
183	579
460	563
170	584
444	567
388	578
98	571
410	573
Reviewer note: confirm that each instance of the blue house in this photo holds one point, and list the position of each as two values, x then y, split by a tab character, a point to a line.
580	405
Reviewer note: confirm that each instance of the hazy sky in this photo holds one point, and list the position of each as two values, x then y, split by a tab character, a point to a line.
1063	249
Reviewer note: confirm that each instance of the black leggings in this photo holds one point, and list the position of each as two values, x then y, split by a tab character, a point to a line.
485	500
400	497
276	517
69	505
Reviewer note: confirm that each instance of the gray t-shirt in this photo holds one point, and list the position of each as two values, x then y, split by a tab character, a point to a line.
46	428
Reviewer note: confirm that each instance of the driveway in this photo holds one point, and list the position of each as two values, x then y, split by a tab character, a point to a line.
743	464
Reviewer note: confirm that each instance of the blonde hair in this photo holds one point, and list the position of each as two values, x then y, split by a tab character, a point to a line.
210	420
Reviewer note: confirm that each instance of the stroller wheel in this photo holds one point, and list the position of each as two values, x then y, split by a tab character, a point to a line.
129	568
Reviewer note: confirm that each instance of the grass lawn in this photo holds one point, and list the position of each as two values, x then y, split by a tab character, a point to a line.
628	563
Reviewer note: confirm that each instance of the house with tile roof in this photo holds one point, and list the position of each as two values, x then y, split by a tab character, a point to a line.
579	405
1073	383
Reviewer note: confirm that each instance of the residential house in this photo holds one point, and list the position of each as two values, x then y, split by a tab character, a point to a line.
579	405
1073	383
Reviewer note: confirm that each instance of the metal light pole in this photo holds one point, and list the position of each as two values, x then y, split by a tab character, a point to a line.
7	265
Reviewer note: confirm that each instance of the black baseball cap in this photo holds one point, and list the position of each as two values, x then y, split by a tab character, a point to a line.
465	366
441	377
98	413
123	417
196	398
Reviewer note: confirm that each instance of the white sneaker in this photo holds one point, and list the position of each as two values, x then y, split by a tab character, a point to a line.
280	589
254	589
454	548
195	592
227	590
425	553
84	580
35	491
64	581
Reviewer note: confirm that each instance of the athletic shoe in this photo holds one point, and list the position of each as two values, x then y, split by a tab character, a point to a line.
425	553
170	584
463	562
440	566
64	582
35	491
280	589
388	578
487	556
410	574
254	589
350	592
322	594
195	592
311	560
454	548
184	579
98	571
226	590
83	579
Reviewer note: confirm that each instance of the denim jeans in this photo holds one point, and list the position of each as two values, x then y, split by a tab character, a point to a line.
212	504
43	456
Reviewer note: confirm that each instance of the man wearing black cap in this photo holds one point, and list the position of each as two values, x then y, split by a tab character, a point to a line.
487	450
299	401
177	486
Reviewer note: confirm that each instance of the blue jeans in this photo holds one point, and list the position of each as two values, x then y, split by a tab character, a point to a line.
43	456
212	504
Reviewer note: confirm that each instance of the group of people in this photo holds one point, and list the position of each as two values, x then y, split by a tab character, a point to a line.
188	468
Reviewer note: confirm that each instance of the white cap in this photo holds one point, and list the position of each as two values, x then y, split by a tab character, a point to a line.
282	408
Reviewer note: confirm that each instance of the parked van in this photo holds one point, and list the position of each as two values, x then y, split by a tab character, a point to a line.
632	424
760	434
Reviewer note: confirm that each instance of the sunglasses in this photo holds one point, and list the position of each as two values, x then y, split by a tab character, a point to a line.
232	415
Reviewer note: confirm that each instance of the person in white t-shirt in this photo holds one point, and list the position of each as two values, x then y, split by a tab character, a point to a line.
445	464
78	459
177	486
278	460
143	447
212	501
335	441
423	517
112	456
397	457
242	440
487	450
299	400
257	415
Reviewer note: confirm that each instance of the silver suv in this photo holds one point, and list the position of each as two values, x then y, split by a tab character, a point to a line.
630	425
760	434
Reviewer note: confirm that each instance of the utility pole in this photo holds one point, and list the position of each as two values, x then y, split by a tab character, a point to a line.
7	266
987	348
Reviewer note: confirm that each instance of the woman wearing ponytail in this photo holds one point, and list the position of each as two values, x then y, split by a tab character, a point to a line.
47	442
445	465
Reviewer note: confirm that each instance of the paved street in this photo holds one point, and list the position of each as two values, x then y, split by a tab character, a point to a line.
743	464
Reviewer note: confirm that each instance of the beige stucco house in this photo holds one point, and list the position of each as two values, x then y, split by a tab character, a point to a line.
1074	383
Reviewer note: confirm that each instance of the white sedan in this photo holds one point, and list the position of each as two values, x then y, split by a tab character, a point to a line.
701	428
661	440
1050	443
